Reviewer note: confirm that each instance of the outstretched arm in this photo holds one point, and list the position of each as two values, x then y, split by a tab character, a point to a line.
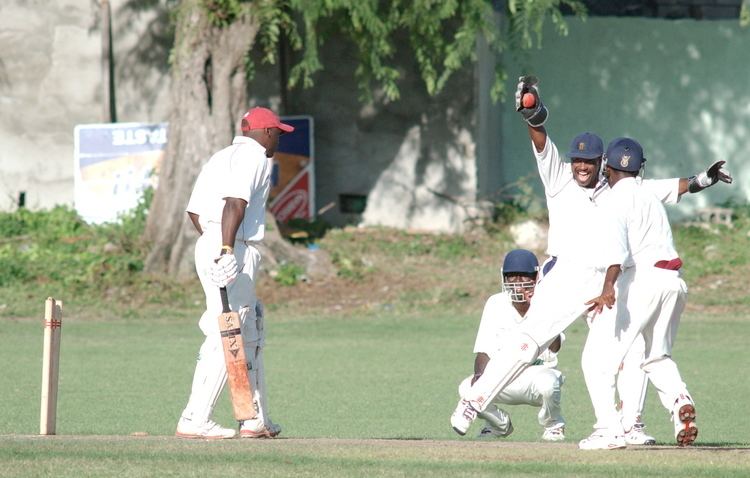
705	179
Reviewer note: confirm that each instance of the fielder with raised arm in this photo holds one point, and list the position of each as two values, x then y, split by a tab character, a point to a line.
577	247
538	386
227	208
579	196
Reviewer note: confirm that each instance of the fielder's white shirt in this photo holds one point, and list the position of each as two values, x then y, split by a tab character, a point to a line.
499	319
241	171
639	225
574	215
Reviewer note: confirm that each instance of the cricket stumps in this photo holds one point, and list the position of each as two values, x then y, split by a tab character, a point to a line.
50	365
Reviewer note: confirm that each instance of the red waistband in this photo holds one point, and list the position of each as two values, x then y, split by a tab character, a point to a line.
673	265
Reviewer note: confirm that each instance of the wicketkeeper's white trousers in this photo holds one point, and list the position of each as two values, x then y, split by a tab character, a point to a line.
558	300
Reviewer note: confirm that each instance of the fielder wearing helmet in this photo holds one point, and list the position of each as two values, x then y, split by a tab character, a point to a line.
518	275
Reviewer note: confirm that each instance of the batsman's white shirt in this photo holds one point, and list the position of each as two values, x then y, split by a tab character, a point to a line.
241	171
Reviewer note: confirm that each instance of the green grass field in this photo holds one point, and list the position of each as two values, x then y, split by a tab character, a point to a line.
364	395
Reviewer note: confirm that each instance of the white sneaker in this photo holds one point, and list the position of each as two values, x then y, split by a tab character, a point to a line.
637	436
497	424
600	441
209	430
463	416
683	416
554	433
256	428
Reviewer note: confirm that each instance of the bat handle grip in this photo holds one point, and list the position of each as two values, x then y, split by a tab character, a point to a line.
224	300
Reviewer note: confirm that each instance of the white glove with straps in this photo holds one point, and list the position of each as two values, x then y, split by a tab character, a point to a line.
224	270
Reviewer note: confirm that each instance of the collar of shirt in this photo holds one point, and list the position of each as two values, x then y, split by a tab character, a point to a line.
248	141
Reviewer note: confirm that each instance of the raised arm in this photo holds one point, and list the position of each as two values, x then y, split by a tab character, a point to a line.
533	111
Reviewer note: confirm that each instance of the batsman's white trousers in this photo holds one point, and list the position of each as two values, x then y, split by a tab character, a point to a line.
210	369
559	299
651	303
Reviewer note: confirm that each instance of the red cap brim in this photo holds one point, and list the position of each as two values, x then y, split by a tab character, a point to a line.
286	128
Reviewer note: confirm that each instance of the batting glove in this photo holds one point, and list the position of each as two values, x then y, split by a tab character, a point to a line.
709	177
224	270
537	114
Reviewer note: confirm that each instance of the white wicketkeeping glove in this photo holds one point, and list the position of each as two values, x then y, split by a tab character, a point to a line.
224	270
709	177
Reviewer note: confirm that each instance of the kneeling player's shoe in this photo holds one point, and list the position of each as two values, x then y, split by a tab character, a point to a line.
256	428
463	416
602	441
637	436
209	430
498	423
554	433
683	416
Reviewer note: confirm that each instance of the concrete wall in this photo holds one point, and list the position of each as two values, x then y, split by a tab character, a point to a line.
679	87
50	81
415	158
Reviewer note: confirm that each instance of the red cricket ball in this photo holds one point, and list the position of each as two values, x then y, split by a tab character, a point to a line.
528	100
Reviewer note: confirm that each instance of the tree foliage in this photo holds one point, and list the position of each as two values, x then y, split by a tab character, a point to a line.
211	65
442	34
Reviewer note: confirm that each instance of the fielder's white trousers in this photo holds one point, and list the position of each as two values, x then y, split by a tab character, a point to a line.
559	300
651	301
632	382
210	369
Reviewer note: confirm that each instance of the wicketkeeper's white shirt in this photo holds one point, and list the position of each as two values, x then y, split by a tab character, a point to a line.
241	171
574	214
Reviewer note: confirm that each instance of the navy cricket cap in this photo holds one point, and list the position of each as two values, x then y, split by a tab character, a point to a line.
586	146
624	154
520	261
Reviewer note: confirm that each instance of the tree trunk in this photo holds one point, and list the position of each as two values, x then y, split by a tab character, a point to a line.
209	94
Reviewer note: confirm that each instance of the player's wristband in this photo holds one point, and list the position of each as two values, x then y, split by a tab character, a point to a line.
227	250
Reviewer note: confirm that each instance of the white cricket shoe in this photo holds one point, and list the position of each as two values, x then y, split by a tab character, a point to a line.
256	428
554	433
463	416
683	416
637	436
602	441
209	430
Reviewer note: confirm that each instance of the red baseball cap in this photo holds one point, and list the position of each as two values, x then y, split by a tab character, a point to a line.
260	118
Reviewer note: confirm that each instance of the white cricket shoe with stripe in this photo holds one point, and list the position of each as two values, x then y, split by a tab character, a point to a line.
601	440
554	433
208	431
637	436
463	416
256	428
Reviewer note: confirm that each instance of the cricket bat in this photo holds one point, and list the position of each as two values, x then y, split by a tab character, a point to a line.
234	355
